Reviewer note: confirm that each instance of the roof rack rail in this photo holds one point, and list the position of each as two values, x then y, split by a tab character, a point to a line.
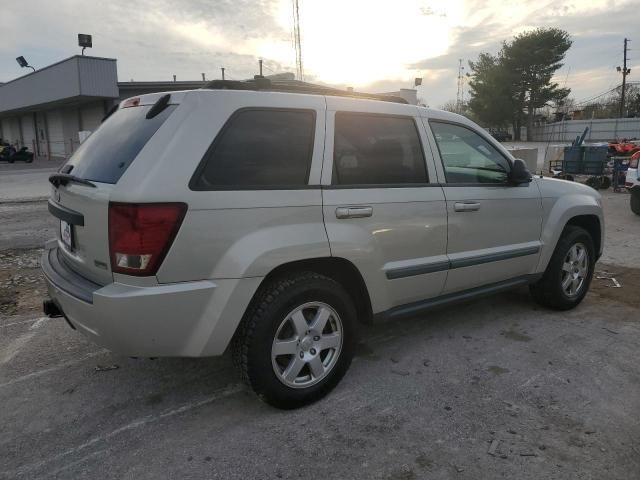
295	86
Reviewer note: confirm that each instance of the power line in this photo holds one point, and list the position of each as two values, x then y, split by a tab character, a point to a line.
600	95
595	97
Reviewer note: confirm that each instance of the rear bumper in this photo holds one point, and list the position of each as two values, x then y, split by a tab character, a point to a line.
187	319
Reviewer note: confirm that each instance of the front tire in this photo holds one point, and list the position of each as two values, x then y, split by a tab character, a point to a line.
567	278
297	339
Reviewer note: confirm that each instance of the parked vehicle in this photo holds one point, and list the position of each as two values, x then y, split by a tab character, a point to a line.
632	183
275	223
500	135
9	154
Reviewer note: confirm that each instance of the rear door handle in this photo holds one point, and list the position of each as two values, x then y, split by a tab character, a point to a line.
353	212
466	206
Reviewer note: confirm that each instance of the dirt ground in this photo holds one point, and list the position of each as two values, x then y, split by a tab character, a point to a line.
628	278
494	388
22	286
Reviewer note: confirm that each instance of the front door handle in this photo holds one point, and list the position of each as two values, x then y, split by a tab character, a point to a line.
466	206
353	212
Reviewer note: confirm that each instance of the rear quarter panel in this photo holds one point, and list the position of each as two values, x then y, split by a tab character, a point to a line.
227	233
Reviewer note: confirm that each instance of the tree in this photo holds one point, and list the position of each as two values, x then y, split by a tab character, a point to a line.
491	93
609	106
633	101
533	58
450	106
510	86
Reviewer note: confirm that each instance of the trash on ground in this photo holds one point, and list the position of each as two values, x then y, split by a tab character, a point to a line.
493	447
616	284
106	368
604	275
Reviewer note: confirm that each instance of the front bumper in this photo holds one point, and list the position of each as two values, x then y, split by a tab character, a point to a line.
187	319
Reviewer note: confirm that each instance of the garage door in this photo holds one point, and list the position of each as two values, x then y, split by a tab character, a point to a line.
92	116
4	129
10	130
28	131
56	135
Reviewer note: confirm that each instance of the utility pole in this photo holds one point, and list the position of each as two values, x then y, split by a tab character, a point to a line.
460	94
296	40
625	71
222	72
260	63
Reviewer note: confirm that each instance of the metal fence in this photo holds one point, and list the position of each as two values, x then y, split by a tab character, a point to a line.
599	130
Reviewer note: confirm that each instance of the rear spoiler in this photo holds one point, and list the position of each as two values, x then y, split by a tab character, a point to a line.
157	107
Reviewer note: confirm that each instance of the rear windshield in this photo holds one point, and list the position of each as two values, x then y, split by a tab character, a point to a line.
108	152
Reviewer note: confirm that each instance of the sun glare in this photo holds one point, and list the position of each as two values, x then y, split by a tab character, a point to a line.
360	42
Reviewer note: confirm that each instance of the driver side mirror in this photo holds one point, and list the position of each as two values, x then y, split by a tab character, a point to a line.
519	173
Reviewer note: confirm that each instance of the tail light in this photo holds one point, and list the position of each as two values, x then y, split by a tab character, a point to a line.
633	163
140	235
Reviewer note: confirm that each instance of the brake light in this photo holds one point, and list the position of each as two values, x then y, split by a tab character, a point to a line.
131	102
140	235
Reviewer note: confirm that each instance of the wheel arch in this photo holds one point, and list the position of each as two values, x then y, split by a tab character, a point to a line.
580	210
591	223
339	269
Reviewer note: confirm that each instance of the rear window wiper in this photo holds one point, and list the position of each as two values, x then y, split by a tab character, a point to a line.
58	179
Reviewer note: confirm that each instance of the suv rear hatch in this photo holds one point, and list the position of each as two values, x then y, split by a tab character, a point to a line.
80	196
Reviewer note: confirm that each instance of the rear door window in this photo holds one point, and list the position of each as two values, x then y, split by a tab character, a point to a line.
377	150
108	152
259	148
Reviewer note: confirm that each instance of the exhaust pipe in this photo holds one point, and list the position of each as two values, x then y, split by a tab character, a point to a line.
51	309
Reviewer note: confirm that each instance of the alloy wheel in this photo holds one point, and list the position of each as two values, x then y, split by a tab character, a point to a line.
307	345
575	269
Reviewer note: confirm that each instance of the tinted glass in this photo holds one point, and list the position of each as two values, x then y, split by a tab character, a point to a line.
108	152
261	148
376	149
468	157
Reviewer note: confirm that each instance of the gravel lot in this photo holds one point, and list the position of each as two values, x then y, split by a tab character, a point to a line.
493	388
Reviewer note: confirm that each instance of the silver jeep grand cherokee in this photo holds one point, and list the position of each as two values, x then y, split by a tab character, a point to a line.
273	222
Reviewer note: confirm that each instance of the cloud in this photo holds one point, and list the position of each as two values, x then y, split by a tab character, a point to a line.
379	46
597	28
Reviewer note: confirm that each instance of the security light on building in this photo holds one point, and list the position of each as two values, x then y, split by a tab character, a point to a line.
84	41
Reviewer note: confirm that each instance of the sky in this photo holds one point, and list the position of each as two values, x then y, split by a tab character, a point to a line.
371	45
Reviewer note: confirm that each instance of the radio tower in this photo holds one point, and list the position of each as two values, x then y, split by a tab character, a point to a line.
296	40
460	95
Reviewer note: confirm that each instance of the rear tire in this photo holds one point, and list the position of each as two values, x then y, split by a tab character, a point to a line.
634	201
297	339
566	280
